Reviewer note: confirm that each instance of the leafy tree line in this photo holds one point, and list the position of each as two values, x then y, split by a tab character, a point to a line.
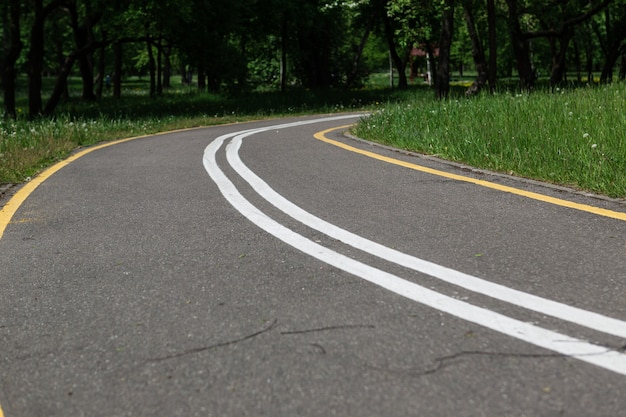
235	46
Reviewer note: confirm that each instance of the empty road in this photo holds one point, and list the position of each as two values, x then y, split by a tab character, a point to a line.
283	268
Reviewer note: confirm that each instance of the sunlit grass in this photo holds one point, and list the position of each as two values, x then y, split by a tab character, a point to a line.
576	137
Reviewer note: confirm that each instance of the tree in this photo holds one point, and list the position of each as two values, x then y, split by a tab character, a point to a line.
11	48
410	24
367	18
493	45
521	48
442	86
559	23
398	53
36	54
478	53
612	40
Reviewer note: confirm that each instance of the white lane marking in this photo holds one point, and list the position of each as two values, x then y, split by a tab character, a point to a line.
597	355
531	302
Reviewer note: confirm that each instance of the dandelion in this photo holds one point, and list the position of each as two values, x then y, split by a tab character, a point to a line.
585	135
595	145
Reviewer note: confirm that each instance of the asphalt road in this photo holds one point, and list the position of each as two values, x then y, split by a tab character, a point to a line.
288	272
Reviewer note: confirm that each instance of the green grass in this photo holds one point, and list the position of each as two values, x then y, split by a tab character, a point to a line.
572	137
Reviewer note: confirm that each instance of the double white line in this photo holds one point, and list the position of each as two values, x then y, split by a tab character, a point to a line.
557	342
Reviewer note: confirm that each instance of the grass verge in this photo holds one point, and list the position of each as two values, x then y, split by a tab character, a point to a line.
571	137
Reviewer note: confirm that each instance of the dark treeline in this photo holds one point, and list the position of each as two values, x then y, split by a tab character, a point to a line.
234	46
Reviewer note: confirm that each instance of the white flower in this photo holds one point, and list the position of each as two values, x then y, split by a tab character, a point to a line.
585	135
595	145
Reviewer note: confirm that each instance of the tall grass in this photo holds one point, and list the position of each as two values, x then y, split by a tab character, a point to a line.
573	137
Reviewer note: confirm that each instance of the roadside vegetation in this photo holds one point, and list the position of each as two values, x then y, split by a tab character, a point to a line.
531	88
574	137
28	146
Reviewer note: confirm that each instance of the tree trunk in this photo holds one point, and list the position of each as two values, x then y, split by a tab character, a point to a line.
61	82
36	55
359	52
60	55
101	66
35	60
85	65
167	67
557	71
478	54
151	68
431	63
493	45
117	70
283	53
60	85
609	63
579	76
615	36
395	57
159	67
11	52
202	84
521	49
442	88
83	38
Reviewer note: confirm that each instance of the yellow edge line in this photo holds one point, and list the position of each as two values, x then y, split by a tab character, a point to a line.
535	196
8	211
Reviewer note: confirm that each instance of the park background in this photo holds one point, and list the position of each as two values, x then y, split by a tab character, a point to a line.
525	87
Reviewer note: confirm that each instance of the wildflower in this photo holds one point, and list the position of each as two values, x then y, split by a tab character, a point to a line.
595	145
585	135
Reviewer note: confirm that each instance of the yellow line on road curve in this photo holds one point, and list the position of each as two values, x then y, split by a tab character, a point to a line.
535	196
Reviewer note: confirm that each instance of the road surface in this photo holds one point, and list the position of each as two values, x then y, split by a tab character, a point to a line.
281	268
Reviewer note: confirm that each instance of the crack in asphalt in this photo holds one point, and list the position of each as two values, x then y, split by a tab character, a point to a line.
443	361
329	328
215	346
448	360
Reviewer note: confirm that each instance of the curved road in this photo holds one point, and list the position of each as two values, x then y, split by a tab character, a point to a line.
280	268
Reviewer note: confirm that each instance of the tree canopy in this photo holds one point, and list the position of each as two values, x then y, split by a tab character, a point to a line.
234	46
